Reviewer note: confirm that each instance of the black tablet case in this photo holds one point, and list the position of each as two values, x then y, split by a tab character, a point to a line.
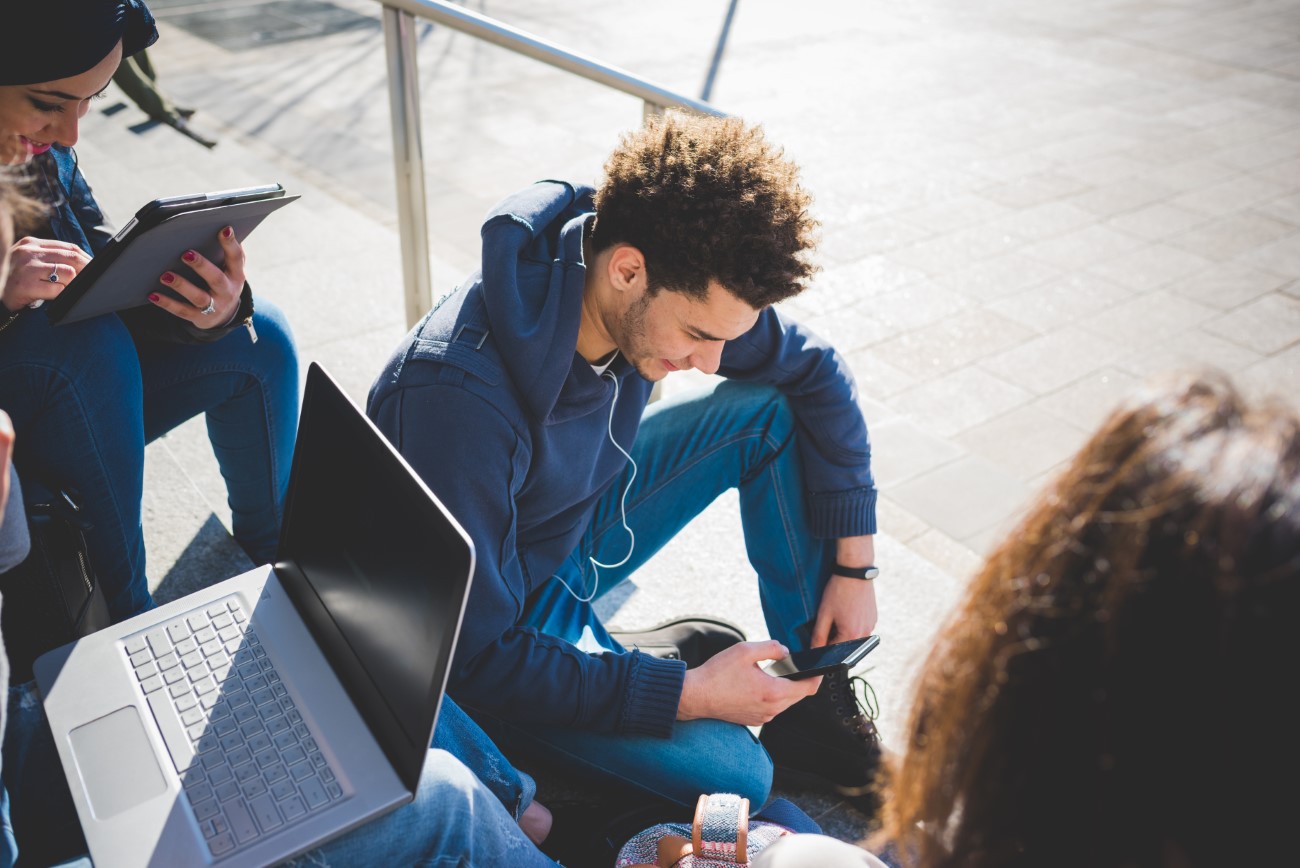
126	271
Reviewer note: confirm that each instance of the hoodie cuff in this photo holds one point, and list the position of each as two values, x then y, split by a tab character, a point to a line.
843	513
654	689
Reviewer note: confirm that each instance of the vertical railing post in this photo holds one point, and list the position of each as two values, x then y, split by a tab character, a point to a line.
408	162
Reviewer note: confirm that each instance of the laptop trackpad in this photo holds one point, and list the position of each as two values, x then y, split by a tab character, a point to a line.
116	763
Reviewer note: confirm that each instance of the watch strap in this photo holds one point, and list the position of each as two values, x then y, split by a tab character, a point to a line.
721	829
866	574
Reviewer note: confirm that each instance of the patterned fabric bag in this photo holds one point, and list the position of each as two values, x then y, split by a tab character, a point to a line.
720	836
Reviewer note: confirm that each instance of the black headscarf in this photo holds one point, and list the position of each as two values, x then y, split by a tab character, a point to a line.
46	40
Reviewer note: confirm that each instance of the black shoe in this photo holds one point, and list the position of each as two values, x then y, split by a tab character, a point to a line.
693	638
830	738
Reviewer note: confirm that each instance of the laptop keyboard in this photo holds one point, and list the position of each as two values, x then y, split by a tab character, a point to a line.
248	763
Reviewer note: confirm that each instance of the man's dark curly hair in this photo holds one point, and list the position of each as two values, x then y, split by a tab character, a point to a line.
706	198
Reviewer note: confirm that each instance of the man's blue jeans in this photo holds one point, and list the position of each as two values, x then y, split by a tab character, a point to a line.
453	823
454	820
84	402
689	450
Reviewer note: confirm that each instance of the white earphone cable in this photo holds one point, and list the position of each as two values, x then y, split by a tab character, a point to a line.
622	508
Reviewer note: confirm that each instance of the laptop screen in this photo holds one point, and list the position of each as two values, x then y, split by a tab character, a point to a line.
377	568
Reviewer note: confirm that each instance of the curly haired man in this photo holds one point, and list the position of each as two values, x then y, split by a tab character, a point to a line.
522	399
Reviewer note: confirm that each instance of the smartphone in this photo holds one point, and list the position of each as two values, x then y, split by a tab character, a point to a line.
819	661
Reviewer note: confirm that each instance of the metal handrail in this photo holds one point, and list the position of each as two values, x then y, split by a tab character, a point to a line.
404	99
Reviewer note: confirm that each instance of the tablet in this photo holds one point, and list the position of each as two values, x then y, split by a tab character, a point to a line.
126	271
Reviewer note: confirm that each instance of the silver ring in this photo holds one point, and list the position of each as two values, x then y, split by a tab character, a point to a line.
54	277
211	308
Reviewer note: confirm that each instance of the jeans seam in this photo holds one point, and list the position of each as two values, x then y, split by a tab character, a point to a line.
791	546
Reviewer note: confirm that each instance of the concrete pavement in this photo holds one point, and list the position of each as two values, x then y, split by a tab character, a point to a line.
1027	208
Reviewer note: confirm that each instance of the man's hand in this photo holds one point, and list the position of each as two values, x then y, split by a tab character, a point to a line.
847	611
848	607
730	686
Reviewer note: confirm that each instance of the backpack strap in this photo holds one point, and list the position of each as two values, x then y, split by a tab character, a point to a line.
721	828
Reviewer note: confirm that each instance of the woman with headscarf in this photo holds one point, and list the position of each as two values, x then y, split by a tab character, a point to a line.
85	397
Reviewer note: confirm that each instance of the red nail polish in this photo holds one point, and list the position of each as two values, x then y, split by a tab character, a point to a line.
227	232
167	277
153	296
189	255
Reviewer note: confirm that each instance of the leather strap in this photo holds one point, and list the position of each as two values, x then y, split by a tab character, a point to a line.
721	828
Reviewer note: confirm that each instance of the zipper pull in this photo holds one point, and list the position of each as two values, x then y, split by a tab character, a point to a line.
252	332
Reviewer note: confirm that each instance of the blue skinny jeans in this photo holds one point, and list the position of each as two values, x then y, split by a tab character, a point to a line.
690	449
85	401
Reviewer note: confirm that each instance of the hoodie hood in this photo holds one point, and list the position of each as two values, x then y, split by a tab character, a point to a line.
533	279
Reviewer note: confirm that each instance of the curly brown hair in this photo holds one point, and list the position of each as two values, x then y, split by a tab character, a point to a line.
708	199
1112	689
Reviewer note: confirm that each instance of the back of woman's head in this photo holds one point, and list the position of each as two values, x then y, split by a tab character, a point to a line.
1111	689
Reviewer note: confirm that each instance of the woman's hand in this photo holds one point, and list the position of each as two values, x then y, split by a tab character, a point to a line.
212	306
32	261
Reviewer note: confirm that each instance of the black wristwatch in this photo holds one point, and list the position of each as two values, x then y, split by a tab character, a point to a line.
866	574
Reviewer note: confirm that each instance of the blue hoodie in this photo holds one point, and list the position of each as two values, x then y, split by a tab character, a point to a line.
490	402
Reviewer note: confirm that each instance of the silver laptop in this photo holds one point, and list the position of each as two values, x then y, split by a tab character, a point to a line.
268	713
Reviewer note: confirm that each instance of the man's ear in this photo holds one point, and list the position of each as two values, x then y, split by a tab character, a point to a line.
627	268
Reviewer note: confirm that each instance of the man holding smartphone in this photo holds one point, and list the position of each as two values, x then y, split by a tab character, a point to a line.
521	399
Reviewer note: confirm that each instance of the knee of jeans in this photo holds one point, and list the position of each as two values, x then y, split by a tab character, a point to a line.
446	782
782	425
747	773
764	409
761	401
754	781
275	341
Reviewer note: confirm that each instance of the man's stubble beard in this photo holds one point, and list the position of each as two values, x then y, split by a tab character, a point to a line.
632	340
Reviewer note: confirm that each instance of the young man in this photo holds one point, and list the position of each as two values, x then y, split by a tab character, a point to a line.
522	400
